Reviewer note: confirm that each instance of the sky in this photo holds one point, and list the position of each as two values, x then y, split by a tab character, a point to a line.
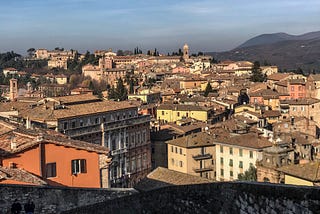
205	25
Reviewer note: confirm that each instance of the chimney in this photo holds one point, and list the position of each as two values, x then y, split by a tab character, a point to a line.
13	144
39	137
28	123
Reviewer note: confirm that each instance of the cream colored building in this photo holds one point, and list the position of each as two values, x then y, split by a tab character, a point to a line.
234	155
192	154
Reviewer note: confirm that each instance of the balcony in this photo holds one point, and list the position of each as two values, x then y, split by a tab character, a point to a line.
203	169
202	156
119	151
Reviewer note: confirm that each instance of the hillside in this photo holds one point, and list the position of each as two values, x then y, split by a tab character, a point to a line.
299	52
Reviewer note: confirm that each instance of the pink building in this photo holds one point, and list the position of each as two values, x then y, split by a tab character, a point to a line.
297	89
180	69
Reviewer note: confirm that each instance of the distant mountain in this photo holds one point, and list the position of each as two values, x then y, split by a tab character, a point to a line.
281	49
266	39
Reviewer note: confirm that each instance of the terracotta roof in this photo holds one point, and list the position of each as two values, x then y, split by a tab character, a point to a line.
26	138
47	111
250	140
315	77
309	171
278	76
161	177
19	176
297	82
195	140
304	101
272	113
265	93
283	83
178	107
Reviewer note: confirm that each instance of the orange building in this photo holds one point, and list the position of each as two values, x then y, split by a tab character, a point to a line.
297	89
53	157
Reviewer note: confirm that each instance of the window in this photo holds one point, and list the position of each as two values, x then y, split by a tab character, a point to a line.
162	112
240	152
221	161
78	166
231	151
230	162
65	125
178	114
221	172
180	151
251	154
172	149
176	149
180	163
81	123
221	149
51	170
231	173
240	164
311	118
292	88
172	161
73	124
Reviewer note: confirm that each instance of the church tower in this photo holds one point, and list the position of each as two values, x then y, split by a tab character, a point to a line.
185	52
13	89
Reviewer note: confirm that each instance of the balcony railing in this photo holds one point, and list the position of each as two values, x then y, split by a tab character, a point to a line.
202	156
119	151
203	169
96	128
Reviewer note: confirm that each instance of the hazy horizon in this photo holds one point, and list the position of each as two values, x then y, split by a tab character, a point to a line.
166	25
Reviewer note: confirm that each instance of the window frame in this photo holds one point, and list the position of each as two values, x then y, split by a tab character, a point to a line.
51	170
78	166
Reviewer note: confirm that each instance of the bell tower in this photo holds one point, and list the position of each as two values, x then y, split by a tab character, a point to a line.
185	52
13	89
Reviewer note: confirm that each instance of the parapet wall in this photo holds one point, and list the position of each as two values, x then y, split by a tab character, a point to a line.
214	198
55	199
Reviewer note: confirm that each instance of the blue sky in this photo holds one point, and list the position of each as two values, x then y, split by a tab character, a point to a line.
206	25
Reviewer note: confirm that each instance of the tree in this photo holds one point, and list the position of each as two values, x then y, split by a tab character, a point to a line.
30	52
257	75
249	175
120	53
208	89
119	93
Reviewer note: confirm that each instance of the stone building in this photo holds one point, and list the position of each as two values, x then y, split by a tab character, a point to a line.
273	158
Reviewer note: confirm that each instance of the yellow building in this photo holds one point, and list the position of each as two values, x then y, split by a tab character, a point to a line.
302	174
244	108
235	155
174	112
192	154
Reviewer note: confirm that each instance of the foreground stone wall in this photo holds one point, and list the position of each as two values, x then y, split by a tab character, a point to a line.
214	198
55	200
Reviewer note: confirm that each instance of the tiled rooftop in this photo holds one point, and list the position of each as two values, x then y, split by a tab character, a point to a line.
162	177
26	138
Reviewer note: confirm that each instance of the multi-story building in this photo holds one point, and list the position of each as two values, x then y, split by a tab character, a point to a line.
297	88
116	125
308	108
174	112
192	154
53	157
235	155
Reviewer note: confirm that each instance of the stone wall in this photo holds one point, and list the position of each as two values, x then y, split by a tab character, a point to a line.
214	198
55	199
